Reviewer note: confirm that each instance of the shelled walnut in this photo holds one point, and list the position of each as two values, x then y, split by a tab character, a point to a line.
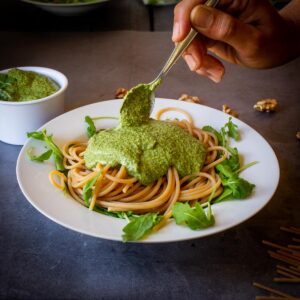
226	109
188	98
298	135
120	93
266	105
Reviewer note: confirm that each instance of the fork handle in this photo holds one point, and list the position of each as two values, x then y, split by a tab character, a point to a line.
180	47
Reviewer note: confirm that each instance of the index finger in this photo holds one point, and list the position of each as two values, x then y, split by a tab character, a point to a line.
182	24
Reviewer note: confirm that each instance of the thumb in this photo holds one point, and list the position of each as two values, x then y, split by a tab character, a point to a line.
220	26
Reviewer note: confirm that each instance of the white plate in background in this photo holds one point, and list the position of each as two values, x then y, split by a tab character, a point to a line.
67	9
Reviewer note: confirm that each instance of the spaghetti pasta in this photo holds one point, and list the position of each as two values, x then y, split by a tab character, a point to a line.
116	191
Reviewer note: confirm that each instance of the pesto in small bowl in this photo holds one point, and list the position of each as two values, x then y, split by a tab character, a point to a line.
20	85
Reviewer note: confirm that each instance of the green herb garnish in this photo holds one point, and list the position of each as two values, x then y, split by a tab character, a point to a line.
231	130
44	156
91	129
235	187
87	189
139	227
194	217
56	152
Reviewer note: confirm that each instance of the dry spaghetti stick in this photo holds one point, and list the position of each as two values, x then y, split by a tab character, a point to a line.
294	246
286	280
271	290
276	246
288	270
296	240
286	274
283	258
289	255
295	228
290	230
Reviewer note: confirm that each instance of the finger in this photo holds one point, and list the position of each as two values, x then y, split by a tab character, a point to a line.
194	54
222	27
211	68
198	60
182	24
223	51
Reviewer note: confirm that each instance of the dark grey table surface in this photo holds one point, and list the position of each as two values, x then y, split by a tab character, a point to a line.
42	260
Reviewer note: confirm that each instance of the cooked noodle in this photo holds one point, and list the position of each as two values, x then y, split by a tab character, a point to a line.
115	190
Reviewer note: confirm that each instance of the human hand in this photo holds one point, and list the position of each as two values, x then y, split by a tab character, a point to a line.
246	32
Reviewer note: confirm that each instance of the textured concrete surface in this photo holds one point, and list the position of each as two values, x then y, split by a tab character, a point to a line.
42	260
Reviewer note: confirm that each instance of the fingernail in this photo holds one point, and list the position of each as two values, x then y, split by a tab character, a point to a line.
202	17
190	61
214	78
215	75
176	32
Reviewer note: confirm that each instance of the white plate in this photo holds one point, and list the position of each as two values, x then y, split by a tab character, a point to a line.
34	183
66	9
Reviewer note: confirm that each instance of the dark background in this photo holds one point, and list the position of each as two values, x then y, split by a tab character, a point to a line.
112	15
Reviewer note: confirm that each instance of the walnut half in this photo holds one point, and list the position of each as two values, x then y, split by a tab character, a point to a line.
120	93
266	105
226	109
188	98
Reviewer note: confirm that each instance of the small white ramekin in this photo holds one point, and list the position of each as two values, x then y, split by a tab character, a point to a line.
18	118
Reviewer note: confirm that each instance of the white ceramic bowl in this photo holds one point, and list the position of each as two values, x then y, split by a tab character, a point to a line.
67	9
18	118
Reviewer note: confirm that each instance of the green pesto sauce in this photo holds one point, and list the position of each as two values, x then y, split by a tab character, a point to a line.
146	147
19	85
137	105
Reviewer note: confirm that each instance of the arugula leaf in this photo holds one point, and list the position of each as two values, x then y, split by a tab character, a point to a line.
44	156
225	196
246	166
56	153
224	170
91	129
234	159
234	186
87	189
232	130
229	129
194	217
233	162
240	187
220	135
38	135
139	227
